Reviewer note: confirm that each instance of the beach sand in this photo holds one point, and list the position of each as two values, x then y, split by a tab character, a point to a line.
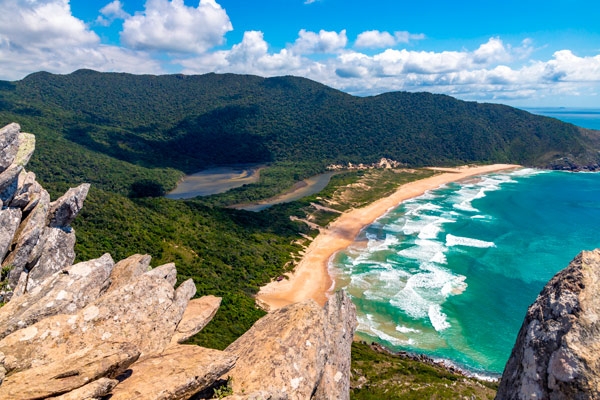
311	280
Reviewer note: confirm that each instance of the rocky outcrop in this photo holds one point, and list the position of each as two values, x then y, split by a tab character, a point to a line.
307	356
35	237
97	329
556	352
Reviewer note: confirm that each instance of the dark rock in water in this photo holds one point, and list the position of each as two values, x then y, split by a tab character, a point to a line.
556	352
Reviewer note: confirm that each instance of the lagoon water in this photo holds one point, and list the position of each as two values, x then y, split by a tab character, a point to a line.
450	274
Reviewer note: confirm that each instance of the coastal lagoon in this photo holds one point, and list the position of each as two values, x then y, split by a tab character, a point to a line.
215	180
451	273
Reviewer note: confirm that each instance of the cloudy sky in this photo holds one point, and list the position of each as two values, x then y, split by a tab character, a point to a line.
525	53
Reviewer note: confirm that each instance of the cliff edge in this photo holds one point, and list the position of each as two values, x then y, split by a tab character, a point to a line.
556	352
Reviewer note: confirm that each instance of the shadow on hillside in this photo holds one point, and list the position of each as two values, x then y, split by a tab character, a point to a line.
220	137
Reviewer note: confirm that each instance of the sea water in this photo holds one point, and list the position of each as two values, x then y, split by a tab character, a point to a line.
584	117
450	274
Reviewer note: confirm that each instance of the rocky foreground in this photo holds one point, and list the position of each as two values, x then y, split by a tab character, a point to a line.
100	329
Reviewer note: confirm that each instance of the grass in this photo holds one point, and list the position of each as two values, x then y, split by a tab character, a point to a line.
381	375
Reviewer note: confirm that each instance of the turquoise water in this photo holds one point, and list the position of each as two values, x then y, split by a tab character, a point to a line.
450	274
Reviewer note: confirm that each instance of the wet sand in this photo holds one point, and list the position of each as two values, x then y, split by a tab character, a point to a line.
311	279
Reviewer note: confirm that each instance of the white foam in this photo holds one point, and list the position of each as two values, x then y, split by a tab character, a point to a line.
425	250
526	172
437	318
406	329
391	339
452	240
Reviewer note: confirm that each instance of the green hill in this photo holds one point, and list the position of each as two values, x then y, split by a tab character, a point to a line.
191	122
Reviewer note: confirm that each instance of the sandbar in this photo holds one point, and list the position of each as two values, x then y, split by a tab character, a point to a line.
311	279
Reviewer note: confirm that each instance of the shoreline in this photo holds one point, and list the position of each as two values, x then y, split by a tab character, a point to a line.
311	279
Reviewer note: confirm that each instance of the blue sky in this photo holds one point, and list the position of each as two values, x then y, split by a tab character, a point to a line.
523	53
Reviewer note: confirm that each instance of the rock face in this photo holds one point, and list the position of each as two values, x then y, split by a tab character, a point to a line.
35	237
306	356
99	330
556	352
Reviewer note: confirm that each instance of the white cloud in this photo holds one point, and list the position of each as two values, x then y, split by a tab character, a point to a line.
171	26
42	24
376	40
43	35
110	12
322	42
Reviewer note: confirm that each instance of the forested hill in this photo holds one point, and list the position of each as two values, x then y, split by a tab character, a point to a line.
190	122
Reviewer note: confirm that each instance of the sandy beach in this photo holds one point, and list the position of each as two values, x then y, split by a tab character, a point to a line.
311	280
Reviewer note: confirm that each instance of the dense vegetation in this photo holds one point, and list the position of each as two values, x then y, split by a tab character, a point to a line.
380	375
132	137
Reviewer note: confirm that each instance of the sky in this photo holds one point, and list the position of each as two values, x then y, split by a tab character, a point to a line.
525	53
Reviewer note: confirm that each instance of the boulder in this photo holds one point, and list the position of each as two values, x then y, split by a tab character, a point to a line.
288	351
556	352
125	271
92	391
71	371
144	313
9	180
64	210
9	145
28	192
282	352
340	324
26	243
58	252
10	218
26	148
198	313
65	292
177	373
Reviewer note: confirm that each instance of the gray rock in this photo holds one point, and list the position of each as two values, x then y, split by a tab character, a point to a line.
339	327
28	192
9	145
27	245
64	210
556	352
9	180
58	252
177	373
26	143
10	219
65	292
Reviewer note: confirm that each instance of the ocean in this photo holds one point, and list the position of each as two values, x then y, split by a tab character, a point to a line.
450	274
